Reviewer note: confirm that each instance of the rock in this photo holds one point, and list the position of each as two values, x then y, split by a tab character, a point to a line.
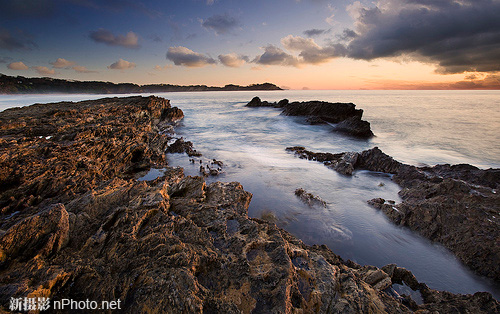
172	114
41	235
329	112
309	199
180	146
355	126
282	103
78	227
345	115
255	102
343	163
446	204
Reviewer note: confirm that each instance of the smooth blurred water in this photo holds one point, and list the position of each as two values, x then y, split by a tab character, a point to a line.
415	127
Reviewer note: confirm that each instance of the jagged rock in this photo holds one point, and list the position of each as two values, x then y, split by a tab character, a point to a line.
40	235
173	244
181	146
329	112
453	205
345	115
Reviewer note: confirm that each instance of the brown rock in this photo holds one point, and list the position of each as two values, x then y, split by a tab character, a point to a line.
173	244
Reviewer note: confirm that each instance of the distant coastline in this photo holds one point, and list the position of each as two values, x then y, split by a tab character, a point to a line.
43	85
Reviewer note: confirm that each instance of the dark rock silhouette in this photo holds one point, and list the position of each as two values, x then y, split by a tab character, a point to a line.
345	115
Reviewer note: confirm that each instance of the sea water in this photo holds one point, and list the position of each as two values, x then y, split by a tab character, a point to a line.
414	127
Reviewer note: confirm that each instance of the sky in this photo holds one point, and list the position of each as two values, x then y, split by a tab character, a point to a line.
295	44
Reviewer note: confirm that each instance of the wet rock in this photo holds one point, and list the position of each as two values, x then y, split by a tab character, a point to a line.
330	112
83	229
345	115
355	126
343	163
457	206
309	199
180	146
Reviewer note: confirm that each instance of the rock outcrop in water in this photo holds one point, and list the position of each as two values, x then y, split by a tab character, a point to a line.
345	115
458	206
77	224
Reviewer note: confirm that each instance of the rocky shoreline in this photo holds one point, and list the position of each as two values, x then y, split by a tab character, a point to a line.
455	205
76	223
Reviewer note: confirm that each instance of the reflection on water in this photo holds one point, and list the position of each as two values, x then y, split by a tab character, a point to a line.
414	127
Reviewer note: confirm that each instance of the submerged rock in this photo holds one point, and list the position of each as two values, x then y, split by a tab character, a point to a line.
309	199
77	224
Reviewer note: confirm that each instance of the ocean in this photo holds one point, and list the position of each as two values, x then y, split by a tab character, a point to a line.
414	127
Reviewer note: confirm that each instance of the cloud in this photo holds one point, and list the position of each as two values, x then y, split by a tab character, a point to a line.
477	82
62	63
162	68
21	40
275	56
491	81
233	60
457	36
18	66
106	37
187	57
331	19
82	69
221	24
310	51
315	32
121	65
44	70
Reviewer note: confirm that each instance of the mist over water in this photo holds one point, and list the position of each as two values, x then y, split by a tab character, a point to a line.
415	127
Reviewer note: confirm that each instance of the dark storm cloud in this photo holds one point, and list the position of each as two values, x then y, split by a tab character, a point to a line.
315	32
221	24
347	34
187	57
17	41
457	35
